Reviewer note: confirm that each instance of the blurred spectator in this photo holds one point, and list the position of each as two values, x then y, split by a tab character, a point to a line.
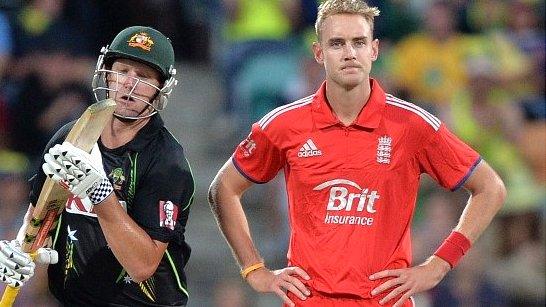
510	66
39	28
428	65
309	74
519	271
13	191
43	106
5	53
440	214
255	30
191	32
533	149
525	30
308	15
431	65
49	55
186	22
39	25
511	62
35	292
483	15
397	20
259	19
486	116
260	84
533	102
5	43
3	117
469	285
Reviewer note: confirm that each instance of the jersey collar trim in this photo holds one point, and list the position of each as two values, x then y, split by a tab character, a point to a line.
369	116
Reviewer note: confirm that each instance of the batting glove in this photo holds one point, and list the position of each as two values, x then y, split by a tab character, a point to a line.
78	171
17	267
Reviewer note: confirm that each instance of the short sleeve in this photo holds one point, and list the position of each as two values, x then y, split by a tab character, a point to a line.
163	198
447	159
257	158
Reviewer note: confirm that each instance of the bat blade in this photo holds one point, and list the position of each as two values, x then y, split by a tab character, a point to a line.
52	200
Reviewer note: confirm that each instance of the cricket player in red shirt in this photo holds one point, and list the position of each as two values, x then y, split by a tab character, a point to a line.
352	156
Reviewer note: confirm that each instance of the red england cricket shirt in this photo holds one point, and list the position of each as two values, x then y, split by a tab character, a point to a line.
352	189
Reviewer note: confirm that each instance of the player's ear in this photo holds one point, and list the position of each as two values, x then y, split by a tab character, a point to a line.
318	53
375	49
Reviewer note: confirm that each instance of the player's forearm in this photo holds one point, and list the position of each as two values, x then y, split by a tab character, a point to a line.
132	246
488	194
482	206
233	224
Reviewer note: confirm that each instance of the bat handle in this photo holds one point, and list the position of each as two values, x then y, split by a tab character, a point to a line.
8	298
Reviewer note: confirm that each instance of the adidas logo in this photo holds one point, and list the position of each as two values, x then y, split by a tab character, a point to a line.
309	149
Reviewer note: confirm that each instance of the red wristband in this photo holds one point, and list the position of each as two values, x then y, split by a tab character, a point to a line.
453	248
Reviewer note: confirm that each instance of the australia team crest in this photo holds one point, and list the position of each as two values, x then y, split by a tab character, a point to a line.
141	40
118	178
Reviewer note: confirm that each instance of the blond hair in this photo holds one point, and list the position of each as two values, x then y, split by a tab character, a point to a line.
333	7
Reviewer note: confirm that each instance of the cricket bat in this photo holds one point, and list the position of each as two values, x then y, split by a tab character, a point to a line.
52	200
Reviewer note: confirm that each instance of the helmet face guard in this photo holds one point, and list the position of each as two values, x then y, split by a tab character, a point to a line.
145	45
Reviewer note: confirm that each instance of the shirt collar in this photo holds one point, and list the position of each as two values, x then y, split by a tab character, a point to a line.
369	116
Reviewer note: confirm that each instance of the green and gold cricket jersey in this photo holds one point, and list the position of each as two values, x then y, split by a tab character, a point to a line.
154	183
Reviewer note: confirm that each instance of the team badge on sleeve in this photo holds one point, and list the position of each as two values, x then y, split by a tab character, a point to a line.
247	146
168	212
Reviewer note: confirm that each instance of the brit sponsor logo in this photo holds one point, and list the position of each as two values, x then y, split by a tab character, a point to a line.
384	148
309	149
341	200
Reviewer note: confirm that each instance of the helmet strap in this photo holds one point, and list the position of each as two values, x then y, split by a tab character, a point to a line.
124	119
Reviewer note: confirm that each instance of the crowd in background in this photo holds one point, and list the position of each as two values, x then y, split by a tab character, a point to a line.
478	65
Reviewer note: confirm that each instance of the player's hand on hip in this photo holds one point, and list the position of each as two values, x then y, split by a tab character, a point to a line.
78	171
17	267
404	283
279	282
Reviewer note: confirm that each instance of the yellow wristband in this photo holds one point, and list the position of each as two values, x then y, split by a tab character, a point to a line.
252	268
